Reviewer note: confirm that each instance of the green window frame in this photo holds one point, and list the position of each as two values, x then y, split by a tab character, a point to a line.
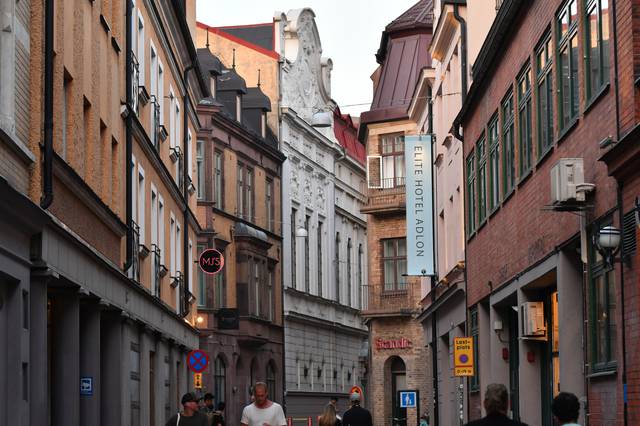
544	94
597	36
508	146
525	145
481	168
474	381
494	163
220	287
471	193
567	60
602	311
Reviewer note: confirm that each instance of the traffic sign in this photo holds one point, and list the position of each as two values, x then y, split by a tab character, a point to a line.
408	399
197	361
197	380
211	261
463	356
86	386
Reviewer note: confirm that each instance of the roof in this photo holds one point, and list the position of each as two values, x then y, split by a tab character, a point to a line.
420	15
209	63
255	99
257	34
346	134
248	38
230	80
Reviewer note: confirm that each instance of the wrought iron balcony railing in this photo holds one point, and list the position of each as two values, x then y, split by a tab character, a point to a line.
391	300
387	195
156	278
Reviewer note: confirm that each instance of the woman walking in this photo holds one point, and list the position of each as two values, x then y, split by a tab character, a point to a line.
329	417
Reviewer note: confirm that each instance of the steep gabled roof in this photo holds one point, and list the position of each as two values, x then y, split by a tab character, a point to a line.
418	16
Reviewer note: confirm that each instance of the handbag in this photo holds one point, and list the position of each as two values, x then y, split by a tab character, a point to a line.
178	420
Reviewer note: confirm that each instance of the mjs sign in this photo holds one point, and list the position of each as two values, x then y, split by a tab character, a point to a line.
211	261
419	189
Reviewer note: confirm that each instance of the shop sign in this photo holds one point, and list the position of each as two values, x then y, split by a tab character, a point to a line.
400	343
211	261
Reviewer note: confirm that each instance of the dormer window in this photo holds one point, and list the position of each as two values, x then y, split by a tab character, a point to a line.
239	107
263	125
212	83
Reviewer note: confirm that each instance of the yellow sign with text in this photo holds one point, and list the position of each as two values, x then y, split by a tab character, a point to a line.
463	356
197	380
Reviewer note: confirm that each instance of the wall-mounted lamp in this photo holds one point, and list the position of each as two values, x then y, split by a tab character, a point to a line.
301	233
607	242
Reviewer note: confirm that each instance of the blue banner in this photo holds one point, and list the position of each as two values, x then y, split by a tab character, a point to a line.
419	187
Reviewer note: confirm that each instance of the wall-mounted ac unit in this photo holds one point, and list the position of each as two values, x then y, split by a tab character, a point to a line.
532	320
567	176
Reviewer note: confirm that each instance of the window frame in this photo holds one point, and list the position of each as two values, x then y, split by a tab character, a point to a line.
508	144
592	92
218	180
481	179
525	120
493	144
397	140
397	287
544	87
564	41
200	169
474	381
269	201
319	256
337	266
470	164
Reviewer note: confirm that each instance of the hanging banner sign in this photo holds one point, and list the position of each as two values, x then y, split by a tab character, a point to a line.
419	187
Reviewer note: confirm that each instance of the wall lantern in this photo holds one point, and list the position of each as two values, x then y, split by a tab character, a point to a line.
301	233
607	242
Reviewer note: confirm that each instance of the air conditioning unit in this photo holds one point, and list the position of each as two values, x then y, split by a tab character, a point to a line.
567	178
532	320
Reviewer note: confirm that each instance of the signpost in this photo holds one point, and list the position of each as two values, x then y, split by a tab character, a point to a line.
197	361
211	261
463	356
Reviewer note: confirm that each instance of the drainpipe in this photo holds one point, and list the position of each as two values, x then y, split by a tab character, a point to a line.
128	137
47	196
463	48
185	177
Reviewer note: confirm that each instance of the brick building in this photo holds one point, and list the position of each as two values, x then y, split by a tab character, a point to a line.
399	357
97	220
239	168
546	305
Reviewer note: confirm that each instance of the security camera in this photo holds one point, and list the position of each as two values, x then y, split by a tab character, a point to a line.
124	111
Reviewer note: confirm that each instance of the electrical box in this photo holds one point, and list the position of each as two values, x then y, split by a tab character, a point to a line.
532	323
566	176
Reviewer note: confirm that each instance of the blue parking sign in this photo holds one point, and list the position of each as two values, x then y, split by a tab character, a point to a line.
408	399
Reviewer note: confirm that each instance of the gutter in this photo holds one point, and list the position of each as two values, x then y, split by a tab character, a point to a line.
47	173
463	48
129	138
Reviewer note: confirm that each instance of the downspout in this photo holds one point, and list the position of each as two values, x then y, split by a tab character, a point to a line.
185	186
47	195
463	48
128	137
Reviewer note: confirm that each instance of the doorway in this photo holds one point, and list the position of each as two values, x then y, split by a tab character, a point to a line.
550	357
514	364
398	382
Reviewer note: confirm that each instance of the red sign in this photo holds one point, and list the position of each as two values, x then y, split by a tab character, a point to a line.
400	343
211	261
197	361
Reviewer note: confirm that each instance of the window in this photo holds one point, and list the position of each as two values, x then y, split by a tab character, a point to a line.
544	92
220	288
140	47
360	269
202	282
172	117
141	205
200	168
471	193
337	266
240	191
249	194
494	164
239	108
161	226
263	124
349	283
482	179
255	278
218	180
307	258
567	51
394	263
319	254
187	149
161	90
271	380
597	49
172	245
602	312
155	250
245	192
190	265
508	157
525	146
393	169
294	265
219	379
134	383
270	207
153	92
474	382
271	279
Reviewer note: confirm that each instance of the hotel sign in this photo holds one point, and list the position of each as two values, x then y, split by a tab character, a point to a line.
419	187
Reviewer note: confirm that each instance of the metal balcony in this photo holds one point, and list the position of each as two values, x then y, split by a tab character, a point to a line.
381	300
387	197
156	277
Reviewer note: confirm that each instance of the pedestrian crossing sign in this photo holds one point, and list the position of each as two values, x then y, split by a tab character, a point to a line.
408	399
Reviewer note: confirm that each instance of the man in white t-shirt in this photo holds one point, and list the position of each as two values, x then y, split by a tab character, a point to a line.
262	412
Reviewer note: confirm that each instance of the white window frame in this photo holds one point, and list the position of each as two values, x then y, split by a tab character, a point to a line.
238	108
153	81
134	190
161	89
172	244
190	266
140	48
161	228
187	150
154	215
263	125
178	246
200	168
172	117
141	205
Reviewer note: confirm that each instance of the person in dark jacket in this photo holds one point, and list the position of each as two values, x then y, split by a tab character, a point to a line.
190	415
356	415
496	404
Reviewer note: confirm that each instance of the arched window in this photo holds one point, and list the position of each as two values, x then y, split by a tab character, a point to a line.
219	379
271	381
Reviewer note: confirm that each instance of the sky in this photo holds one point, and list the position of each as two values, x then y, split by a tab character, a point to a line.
349	31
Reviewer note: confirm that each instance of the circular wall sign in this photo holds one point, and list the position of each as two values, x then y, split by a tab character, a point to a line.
211	261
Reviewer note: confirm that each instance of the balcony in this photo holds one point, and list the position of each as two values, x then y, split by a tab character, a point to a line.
403	301
387	197
155	270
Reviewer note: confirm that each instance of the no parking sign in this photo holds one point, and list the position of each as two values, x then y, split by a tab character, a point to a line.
197	361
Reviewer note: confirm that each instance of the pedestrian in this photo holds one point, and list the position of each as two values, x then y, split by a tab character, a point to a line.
424	420
262	412
189	415
496	404
566	409
356	415
218	416
209	408
334	401
329	416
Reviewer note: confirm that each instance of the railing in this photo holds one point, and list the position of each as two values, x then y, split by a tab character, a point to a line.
135	264
385	194
403	299
155	268
135	81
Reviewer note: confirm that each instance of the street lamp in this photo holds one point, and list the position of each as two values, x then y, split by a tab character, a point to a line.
607	242
301	233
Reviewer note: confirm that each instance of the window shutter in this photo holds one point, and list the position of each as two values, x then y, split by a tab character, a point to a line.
374	171
629	243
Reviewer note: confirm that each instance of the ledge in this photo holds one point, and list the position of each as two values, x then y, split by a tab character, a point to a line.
595	98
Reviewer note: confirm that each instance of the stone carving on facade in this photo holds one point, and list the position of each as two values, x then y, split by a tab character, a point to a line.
321	198
307	191
295	185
